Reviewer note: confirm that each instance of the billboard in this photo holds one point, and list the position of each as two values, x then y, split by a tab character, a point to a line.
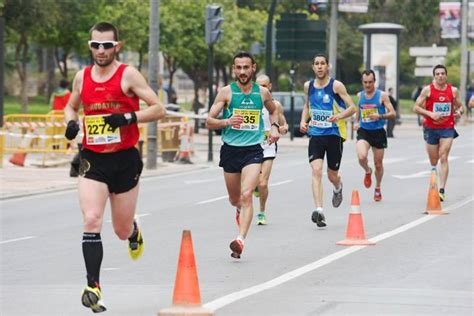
383	60
359	6
450	19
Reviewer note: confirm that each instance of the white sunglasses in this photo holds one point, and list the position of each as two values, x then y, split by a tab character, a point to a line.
102	44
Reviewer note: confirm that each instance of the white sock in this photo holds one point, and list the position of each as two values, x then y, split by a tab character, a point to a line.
241	238
338	189
319	210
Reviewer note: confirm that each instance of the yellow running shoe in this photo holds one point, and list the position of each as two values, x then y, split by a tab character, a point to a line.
92	298
135	245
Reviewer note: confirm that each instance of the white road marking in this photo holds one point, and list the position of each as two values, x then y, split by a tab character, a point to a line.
387	161
470	161
421	174
202	181
426	161
212	200
231	298
226	196
110	269
279	183
16	239
136	216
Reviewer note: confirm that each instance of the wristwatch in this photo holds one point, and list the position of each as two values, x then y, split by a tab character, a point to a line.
128	117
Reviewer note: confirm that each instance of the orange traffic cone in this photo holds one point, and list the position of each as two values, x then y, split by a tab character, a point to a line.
18	158
433	205
186	295
355	234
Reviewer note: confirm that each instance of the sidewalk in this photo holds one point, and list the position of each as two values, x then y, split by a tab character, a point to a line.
38	176
33	179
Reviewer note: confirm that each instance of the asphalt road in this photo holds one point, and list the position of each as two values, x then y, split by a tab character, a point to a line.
420	265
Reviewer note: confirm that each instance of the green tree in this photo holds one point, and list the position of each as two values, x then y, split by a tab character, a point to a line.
132	19
182	41
69	31
20	17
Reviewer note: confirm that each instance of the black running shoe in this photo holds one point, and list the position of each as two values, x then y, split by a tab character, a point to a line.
319	219
337	197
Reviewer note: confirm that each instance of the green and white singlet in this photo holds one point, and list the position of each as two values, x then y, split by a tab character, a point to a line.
249	106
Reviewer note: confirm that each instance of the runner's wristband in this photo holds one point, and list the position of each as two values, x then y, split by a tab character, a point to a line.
120	119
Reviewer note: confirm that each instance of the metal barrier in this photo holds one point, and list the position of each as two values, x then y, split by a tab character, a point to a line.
35	133
38	133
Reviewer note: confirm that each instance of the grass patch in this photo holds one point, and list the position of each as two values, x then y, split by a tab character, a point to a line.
36	105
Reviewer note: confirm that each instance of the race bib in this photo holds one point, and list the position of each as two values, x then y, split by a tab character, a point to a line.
443	108
319	118
365	114
250	120
99	133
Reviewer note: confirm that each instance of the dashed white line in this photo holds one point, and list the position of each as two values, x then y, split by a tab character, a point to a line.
202	181
231	298
280	183
136	216
226	196
427	162
16	239
421	174
388	161
212	200
110	269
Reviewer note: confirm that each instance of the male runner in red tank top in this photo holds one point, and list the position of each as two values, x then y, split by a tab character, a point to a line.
439	104
110	165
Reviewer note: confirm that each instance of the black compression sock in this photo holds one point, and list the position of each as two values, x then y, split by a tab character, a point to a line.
93	253
134	235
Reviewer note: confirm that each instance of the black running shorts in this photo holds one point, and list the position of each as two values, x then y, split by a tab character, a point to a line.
234	158
119	170
330	145
376	137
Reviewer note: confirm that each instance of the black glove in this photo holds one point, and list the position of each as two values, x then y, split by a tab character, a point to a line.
120	119
71	130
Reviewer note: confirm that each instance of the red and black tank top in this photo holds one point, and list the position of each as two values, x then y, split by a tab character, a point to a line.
104	98
440	101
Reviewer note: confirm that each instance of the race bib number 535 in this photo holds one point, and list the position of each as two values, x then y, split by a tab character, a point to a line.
98	132
250	119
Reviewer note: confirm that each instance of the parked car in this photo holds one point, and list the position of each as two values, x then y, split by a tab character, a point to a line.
285	99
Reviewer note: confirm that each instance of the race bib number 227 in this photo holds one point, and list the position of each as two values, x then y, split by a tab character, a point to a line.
98	132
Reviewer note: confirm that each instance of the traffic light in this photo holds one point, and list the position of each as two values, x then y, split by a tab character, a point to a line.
214	22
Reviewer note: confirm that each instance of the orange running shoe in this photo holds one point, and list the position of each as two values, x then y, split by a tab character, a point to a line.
368	179
377	195
237	246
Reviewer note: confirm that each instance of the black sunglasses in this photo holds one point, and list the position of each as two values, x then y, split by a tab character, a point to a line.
103	44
